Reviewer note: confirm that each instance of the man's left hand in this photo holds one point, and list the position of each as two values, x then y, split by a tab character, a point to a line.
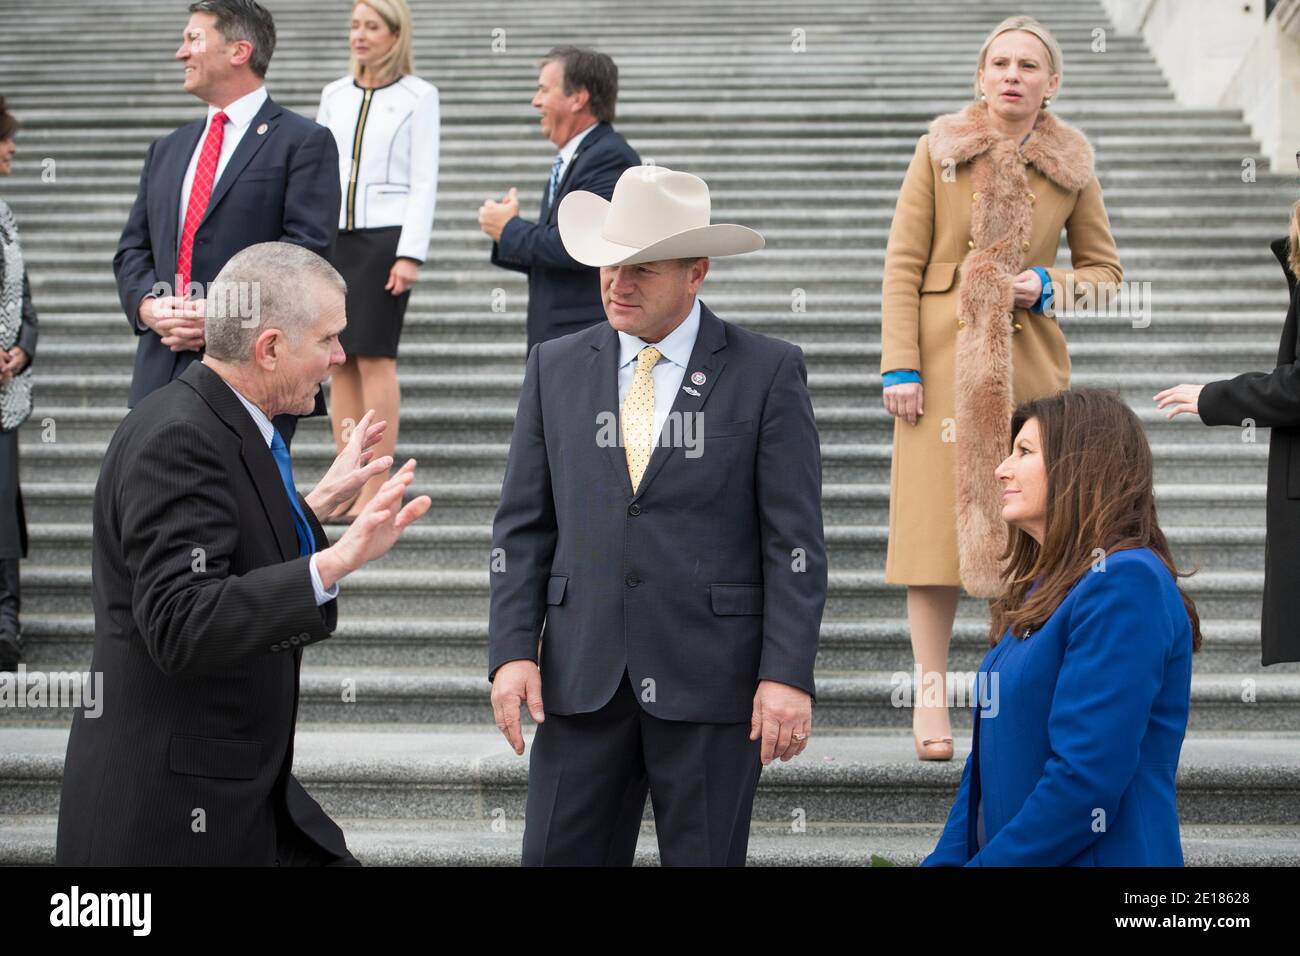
493	216
351	469
783	717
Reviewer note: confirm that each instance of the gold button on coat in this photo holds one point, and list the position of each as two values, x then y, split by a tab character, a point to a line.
970	243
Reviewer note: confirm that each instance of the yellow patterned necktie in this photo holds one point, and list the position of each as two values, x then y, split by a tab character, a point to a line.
639	415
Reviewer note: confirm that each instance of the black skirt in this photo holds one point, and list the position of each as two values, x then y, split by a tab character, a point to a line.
364	257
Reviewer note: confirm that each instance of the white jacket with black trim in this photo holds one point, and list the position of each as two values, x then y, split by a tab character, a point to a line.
388	156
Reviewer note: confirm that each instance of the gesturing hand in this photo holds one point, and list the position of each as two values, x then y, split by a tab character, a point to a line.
351	469
376	529
783	716
1179	399
516	682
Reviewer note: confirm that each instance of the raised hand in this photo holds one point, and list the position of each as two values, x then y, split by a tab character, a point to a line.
351	469
376	529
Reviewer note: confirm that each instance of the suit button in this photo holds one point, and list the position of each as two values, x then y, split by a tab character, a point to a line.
1018	326
1024	246
975	196
970	243
961	323
634	510
632	580
1032	197
295	640
275	647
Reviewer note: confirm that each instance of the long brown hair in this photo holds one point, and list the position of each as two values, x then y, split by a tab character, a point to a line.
1099	500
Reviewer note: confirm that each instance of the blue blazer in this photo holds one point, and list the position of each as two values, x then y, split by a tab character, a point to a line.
563	294
279	186
1075	747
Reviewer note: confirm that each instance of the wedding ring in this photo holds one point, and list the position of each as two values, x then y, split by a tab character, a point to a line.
799	737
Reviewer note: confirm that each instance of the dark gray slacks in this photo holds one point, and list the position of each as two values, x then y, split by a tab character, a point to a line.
588	776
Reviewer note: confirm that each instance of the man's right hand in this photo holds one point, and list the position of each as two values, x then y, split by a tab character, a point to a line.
516	682
178	321
374	531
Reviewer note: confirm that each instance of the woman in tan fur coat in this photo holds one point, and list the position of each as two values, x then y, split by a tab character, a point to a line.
968	329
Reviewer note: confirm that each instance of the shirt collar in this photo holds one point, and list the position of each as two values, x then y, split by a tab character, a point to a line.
241	112
676	346
259	417
571	147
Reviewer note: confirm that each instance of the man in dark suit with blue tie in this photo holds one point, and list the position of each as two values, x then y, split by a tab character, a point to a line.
249	172
211	575
660	534
576	94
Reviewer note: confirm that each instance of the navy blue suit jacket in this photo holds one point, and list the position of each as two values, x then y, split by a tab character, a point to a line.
708	579
281	185
1076	753
563	294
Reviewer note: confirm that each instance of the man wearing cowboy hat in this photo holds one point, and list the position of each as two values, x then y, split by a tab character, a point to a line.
661	517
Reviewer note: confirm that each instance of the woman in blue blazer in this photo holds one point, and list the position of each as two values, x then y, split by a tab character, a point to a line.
1082	700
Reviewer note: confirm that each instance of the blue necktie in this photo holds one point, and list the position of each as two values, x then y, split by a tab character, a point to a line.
555	180
280	451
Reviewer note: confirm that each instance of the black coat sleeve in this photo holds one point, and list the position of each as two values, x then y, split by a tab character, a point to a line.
1269	399
133	264
27	333
193	613
523	534
312	194
788	477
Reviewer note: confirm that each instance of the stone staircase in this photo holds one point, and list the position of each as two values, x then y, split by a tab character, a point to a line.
809	147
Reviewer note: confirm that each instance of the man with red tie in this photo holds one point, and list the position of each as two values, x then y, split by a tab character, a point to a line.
246	173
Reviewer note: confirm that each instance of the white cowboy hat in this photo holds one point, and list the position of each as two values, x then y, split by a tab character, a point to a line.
656	213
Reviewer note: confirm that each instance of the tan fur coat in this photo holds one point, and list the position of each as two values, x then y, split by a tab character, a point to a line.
975	210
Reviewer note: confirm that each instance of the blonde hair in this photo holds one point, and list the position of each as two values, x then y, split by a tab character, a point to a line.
397	61
1293	242
1055	62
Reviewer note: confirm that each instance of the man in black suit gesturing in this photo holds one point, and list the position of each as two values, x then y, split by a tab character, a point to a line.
211	574
577	90
680	573
248	172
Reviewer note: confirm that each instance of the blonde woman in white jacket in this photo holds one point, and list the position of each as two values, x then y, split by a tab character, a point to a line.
385	121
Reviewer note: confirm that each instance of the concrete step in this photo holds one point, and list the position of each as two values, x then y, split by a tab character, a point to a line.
1226	505
849	547
440	772
871	700
28	840
1230	646
389	591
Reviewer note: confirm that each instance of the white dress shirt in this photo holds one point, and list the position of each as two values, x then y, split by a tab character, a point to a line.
239	116
567	151
676	348
268	430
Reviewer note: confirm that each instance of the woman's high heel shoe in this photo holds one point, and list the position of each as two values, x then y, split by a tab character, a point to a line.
933	748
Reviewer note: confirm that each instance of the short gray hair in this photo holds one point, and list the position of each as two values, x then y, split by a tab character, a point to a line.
267	285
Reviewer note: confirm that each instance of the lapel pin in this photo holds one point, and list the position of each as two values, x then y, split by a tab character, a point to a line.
698	378
690	391
261	130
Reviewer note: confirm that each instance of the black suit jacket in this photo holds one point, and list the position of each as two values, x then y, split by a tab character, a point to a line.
563	294
281	185
202	608
711	577
1272	400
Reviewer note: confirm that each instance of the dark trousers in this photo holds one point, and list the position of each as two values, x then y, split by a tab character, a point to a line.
588	776
10	603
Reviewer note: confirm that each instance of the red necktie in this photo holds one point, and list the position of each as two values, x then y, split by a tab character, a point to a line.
200	191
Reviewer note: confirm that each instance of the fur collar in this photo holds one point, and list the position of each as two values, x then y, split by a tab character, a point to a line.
1058	150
